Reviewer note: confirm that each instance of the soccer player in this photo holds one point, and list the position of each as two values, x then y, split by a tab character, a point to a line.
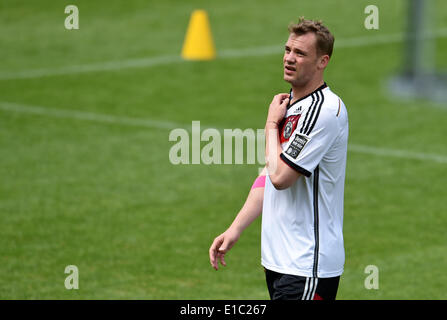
300	191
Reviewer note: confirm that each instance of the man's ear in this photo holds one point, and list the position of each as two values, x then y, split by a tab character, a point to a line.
323	61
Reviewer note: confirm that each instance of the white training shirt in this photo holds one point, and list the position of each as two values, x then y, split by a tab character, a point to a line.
302	226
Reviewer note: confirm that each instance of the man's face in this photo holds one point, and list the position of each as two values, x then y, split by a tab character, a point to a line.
301	61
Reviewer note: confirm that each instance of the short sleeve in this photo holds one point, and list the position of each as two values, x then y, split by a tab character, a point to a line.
310	142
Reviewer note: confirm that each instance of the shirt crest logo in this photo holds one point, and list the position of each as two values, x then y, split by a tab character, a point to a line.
288	129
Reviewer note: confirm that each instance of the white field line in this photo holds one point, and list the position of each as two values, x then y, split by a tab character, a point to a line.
87	116
156	124
395	153
170	59
94	67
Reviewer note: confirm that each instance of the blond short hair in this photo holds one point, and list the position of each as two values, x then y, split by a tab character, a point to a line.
325	39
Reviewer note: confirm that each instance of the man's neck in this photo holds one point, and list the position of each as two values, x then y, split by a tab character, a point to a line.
300	92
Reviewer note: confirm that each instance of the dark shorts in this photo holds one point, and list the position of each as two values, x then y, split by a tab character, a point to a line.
289	287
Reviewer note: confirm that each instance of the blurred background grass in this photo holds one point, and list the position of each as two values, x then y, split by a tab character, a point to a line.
104	196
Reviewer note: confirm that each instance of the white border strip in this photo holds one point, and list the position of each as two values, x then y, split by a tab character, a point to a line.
156	124
226	54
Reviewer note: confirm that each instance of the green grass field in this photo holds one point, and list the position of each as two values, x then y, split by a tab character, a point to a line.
78	188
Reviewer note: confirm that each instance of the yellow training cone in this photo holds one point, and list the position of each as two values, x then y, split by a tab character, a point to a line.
198	43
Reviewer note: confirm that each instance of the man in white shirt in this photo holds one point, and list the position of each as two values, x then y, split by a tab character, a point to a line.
300	192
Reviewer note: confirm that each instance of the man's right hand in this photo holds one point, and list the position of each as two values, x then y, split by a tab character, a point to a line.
221	245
